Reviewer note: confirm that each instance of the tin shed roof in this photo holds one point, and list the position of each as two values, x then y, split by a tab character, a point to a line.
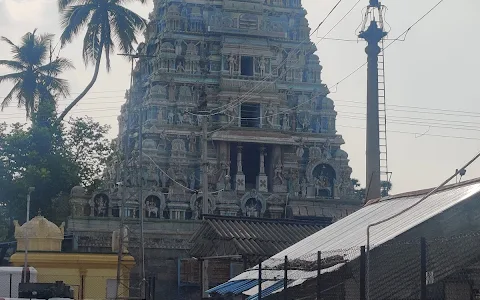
248	236
350	232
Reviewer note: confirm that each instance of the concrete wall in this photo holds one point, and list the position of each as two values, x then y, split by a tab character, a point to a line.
166	241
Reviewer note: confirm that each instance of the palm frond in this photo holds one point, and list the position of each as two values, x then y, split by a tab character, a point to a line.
56	67
44	94
62	4
15	49
135	20
28	91
74	19
124	30
55	85
33	49
123	2
6	101
12	77
91	43
12	64
108	44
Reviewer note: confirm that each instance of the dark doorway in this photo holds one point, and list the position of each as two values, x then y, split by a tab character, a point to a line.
246	66
251	164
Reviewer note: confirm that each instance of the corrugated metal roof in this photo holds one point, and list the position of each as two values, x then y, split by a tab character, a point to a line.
255	237
350	232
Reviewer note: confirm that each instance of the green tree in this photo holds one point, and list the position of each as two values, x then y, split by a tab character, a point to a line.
386	187
104	20
90	149
34	76
358	191
48	159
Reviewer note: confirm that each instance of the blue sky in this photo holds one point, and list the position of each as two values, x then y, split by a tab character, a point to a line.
433	100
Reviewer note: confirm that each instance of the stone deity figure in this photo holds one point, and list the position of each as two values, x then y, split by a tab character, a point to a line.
306	122
278	177
180	68
178	47
295	184
192	49
262	66
180	118
171	117
279	58
300	151
101	206
192	181
232	113
171	91
286	122
151	208
187	118
252	209
269	115
336	188
164	138
232	61
303	187
192	141
326	149
160	118
302	59
317	126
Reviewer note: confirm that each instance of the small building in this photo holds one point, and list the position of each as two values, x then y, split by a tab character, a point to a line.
448	220
91	275
233	244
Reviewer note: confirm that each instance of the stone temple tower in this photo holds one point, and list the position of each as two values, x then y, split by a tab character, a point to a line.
272	146
272	137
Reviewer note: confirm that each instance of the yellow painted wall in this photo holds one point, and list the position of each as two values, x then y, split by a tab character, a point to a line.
69	268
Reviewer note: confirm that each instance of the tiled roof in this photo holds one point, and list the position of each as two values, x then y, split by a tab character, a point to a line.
251	237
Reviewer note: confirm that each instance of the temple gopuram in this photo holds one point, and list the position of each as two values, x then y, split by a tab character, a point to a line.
273	148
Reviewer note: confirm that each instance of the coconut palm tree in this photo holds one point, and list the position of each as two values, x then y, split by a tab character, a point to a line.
34	74
104	20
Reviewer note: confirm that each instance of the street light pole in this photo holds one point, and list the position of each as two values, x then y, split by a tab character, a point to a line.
25	266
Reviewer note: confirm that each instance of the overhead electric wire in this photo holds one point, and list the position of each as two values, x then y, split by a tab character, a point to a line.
232	105
391	43
175	181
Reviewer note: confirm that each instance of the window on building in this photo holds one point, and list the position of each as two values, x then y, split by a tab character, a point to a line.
129	212
111	289
246	66
250	115
177	215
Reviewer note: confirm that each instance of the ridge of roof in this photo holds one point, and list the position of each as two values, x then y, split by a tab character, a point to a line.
423	191
319	222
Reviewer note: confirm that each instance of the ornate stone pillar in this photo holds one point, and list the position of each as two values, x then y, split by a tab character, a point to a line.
262	178
239	177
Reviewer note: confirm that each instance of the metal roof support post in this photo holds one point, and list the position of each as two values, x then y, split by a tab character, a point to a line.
202	290
319	274
362	273
423	269
285	279
260	280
